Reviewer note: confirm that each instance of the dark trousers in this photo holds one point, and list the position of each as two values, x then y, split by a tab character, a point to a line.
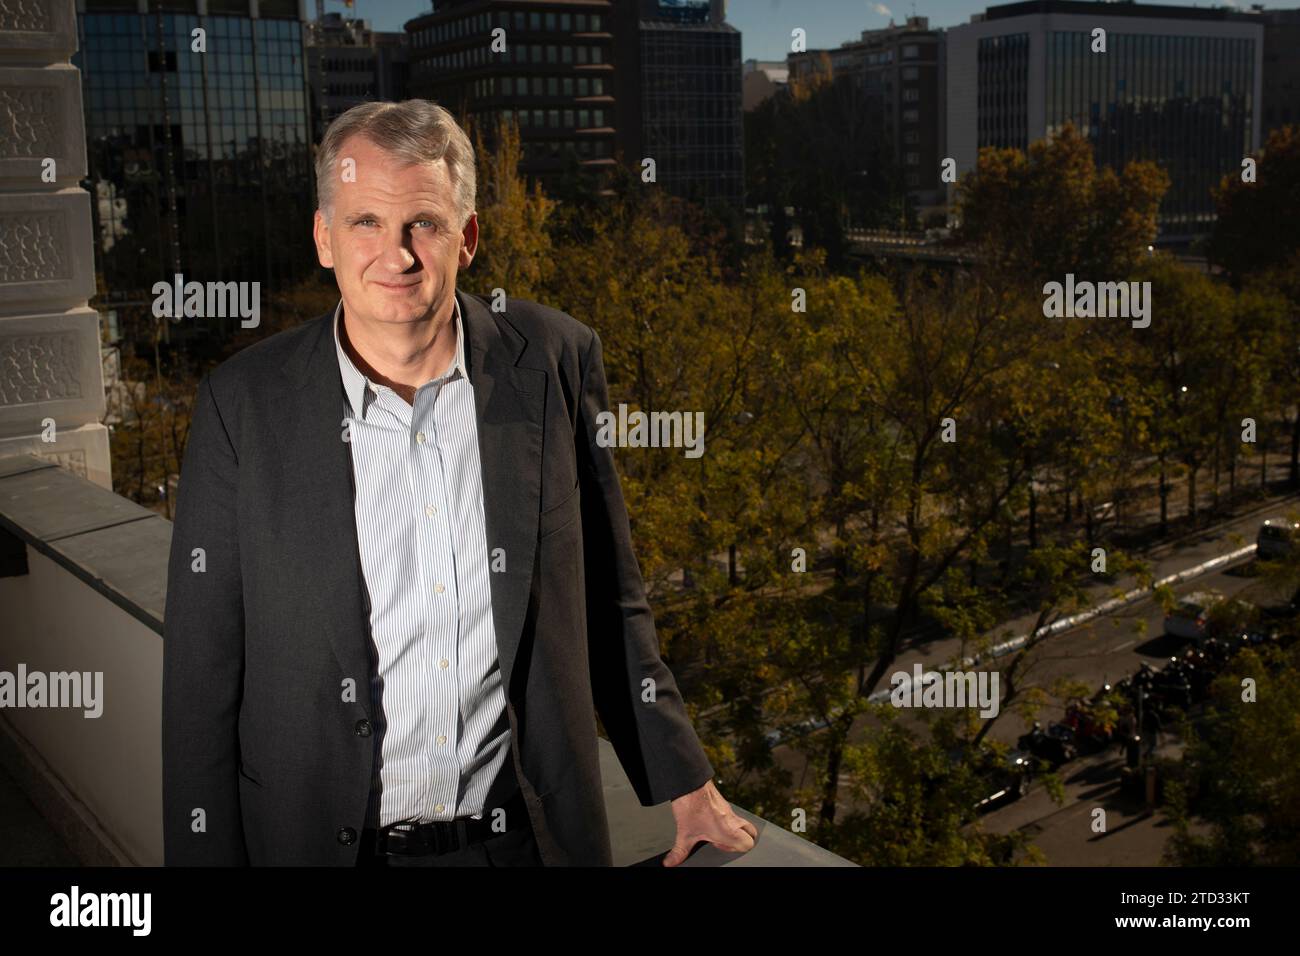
517	847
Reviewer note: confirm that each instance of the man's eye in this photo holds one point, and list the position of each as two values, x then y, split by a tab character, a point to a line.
362	222
426	222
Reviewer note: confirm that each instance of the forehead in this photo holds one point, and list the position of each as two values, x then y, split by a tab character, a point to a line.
377	175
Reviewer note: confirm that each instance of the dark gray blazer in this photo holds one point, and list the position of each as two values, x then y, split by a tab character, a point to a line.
259	730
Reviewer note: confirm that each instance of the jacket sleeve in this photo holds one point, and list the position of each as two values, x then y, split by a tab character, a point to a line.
203	653
654	740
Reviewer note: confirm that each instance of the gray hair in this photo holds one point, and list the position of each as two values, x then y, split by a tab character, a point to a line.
419	131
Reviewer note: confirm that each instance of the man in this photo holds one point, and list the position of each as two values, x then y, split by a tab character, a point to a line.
401	581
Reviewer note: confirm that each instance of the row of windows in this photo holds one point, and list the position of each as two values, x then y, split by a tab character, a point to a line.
348	65
558	119
540	86
534	149
348	89
516	20
517	53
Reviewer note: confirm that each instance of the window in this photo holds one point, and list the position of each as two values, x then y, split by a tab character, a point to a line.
550	21
911	52
596	54
567	86
912	136
913	179
534	21
582	54
566	23
911	116
552	86
911	95
580	22
911	73
912	159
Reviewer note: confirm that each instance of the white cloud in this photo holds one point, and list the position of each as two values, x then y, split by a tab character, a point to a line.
883	10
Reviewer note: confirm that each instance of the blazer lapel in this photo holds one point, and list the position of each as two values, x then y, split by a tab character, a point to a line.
319	463
509	403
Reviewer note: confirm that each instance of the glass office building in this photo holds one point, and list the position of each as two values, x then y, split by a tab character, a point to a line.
199	159
1184	102
1179	86
1003	116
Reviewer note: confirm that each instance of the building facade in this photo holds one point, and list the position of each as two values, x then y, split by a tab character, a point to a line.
1281	68
348	64
688	99
899	71
198	141
1180	86
546	65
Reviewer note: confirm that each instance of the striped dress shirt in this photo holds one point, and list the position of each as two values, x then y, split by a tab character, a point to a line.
442	734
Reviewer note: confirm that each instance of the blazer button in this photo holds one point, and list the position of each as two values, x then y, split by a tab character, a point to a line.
347	836
363	728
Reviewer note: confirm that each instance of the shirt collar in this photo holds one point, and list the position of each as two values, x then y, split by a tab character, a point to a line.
355	384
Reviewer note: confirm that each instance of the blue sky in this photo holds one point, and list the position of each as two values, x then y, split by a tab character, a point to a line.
765	24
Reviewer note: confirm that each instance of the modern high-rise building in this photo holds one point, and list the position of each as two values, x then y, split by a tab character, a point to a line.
547	64
198	142
589	81
899	71
348	64
1180	86
683	98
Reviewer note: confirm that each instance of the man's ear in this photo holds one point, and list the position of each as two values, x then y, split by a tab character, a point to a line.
320	232
469	238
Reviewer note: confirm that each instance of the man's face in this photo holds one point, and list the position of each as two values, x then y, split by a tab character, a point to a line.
392	238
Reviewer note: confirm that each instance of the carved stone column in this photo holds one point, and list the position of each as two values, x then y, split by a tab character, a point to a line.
51	377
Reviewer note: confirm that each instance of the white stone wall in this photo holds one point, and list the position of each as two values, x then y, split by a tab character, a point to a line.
51	379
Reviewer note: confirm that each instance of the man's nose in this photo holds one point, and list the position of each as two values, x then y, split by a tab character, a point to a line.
397	256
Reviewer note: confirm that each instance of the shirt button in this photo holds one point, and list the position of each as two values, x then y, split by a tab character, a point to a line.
438	808
430	510
439	588
363	728
441	740
347	835
443	663
419	437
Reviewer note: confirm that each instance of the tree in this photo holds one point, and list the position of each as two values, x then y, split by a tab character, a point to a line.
1257	229
1036	217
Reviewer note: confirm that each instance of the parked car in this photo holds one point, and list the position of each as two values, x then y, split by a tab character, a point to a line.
1276	539
1189	619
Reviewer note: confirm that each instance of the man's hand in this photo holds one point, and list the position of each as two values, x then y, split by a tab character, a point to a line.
704	815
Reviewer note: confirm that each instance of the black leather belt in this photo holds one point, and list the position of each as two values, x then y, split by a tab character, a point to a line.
408	838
